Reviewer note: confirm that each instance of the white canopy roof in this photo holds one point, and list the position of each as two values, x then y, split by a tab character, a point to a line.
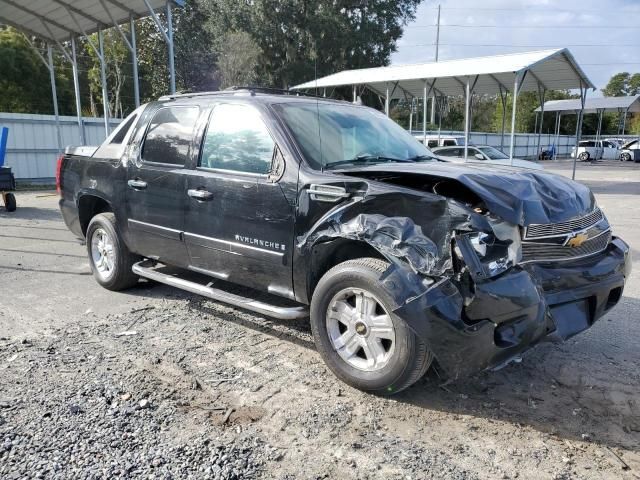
552	69
55	20
592	105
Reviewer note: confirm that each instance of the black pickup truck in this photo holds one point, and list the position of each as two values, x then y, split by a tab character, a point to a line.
332	211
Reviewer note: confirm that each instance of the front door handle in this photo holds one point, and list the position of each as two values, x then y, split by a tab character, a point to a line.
137	184
201	195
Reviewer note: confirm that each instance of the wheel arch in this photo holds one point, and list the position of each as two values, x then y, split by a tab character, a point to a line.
327	255
90	205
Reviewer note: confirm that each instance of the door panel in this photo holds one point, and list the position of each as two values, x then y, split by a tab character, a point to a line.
243	231
156	185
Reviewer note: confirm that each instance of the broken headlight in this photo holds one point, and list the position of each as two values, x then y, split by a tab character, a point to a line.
486	254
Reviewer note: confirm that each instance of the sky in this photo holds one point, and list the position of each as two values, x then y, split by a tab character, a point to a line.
593	30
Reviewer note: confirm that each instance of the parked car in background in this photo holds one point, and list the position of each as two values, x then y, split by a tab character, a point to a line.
596	150
434	141
630	151
482	153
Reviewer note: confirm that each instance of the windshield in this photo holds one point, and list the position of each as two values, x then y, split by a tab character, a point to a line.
494	153
332	135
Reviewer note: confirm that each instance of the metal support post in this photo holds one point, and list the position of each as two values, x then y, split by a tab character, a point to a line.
556	131
172	71
54	95
355	94
542	92
599	129
516	89
103	81
424	114
467	107
624	120
583	98
503	100
411	115
76	88
386	101
134	59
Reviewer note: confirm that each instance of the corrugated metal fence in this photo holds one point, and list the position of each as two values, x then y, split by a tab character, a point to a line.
32	146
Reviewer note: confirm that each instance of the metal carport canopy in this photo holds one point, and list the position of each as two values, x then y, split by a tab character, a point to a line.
620	105
60	20
594	105
551	69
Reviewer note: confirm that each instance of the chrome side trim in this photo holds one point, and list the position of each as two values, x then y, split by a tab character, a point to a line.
151	228
283	313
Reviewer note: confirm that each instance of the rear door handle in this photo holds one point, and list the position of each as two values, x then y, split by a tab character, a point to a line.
202	195
137	184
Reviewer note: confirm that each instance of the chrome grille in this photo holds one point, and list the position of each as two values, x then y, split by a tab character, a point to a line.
551	229
540	252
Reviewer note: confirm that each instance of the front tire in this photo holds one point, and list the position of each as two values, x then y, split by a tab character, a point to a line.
109	257
357	334
625	157
584	156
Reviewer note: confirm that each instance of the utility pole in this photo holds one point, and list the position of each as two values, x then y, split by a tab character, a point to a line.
433	97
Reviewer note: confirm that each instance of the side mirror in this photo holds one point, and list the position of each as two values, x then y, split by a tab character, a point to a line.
479	156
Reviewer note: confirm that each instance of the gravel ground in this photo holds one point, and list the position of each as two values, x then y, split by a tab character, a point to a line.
155	383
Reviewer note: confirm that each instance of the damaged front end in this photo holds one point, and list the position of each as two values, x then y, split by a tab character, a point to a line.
468	282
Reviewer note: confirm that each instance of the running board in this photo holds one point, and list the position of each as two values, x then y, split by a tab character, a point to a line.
283	313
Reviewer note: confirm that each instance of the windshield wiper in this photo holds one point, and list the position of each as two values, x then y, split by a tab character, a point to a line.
418	158
367	159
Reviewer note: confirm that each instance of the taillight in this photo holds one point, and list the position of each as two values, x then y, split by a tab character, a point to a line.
59	174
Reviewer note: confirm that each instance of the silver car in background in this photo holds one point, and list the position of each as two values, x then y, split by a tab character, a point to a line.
482	153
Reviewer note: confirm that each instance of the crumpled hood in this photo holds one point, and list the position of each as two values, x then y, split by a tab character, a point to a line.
517	195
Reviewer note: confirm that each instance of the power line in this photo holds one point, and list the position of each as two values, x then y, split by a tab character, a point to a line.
514	46
466	25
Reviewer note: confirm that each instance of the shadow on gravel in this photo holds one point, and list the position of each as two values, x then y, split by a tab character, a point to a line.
35	252
32	213
288	330
42	270
39	238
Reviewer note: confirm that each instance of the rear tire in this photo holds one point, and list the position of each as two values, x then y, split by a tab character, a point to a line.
584	156
10	202
109	257
357	334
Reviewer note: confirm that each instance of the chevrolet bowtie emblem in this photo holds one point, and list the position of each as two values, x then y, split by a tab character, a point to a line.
577	240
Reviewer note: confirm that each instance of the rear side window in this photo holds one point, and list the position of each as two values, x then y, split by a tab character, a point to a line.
170	135
121	132
432	143
237	139
449	143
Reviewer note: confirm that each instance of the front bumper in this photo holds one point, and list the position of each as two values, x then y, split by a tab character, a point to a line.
504	316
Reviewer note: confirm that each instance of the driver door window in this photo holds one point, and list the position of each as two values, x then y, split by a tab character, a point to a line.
237	140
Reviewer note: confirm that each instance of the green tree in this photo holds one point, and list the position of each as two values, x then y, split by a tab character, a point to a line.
622	84
118	73
24	79
238	60
299	39
194	49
